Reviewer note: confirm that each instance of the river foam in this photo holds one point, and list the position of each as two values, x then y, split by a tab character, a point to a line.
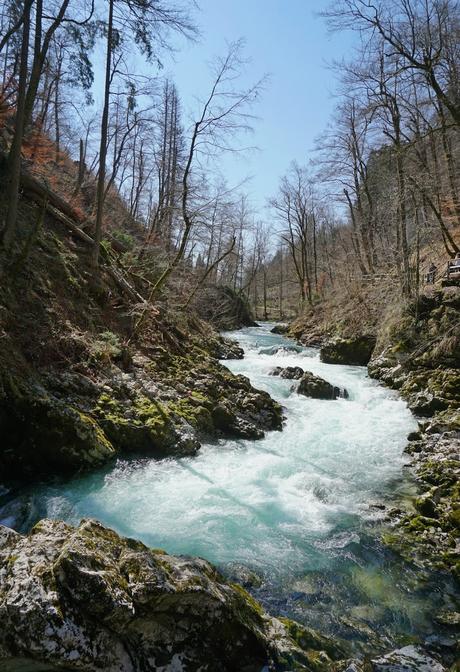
271	503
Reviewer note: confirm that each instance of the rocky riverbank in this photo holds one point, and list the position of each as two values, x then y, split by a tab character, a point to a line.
78	384
414	349
87	599
152	401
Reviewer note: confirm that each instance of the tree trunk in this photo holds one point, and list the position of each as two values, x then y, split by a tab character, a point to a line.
14	157
265	294
100	193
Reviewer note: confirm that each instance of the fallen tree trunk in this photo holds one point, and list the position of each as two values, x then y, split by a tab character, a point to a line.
36	189
116	276
64	219
124	285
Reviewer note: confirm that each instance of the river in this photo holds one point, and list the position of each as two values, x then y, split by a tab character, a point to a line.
302	508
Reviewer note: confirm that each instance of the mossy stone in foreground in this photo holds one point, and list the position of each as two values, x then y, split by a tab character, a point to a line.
87	599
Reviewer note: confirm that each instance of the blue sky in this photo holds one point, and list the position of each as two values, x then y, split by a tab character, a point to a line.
289	41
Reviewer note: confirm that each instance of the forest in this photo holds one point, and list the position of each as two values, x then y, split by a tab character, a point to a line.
378	197
157	325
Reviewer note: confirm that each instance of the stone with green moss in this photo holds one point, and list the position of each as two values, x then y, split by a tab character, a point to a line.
43	434
85	598
140	425
353	351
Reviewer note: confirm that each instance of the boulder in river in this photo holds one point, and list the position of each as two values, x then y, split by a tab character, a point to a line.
280	329
288	372
282	348
355	351
318	388
84	598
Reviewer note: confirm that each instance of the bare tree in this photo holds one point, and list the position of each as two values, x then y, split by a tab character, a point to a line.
423	34
146	23
294	209
224	114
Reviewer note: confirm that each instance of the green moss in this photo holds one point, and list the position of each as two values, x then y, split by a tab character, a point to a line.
426	506
438	472
139	425
420	523
248	599
196	415
454	518
311	641
89	425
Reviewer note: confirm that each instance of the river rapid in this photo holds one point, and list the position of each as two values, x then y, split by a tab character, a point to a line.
301	508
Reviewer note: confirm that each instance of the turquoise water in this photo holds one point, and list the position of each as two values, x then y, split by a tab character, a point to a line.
299	507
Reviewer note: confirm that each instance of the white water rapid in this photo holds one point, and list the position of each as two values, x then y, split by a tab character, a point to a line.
276	503
298	507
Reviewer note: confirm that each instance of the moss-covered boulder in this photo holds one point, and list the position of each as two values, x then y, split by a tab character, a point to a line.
355	351
145	426
318	388
280	329
42	435
428	391
87	599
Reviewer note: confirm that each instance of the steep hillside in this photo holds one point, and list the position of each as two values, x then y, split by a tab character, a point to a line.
79	384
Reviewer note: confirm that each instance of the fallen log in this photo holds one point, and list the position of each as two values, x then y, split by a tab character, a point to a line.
64	219
124	285
36	189
116	276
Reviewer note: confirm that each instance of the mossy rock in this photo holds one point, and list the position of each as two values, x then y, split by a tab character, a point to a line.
42	435
316	387
352	351
310	639
192	410
446	421
421	523
429	391
223	417
85	596
138	426
280	329
454	518
439	472
426	506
